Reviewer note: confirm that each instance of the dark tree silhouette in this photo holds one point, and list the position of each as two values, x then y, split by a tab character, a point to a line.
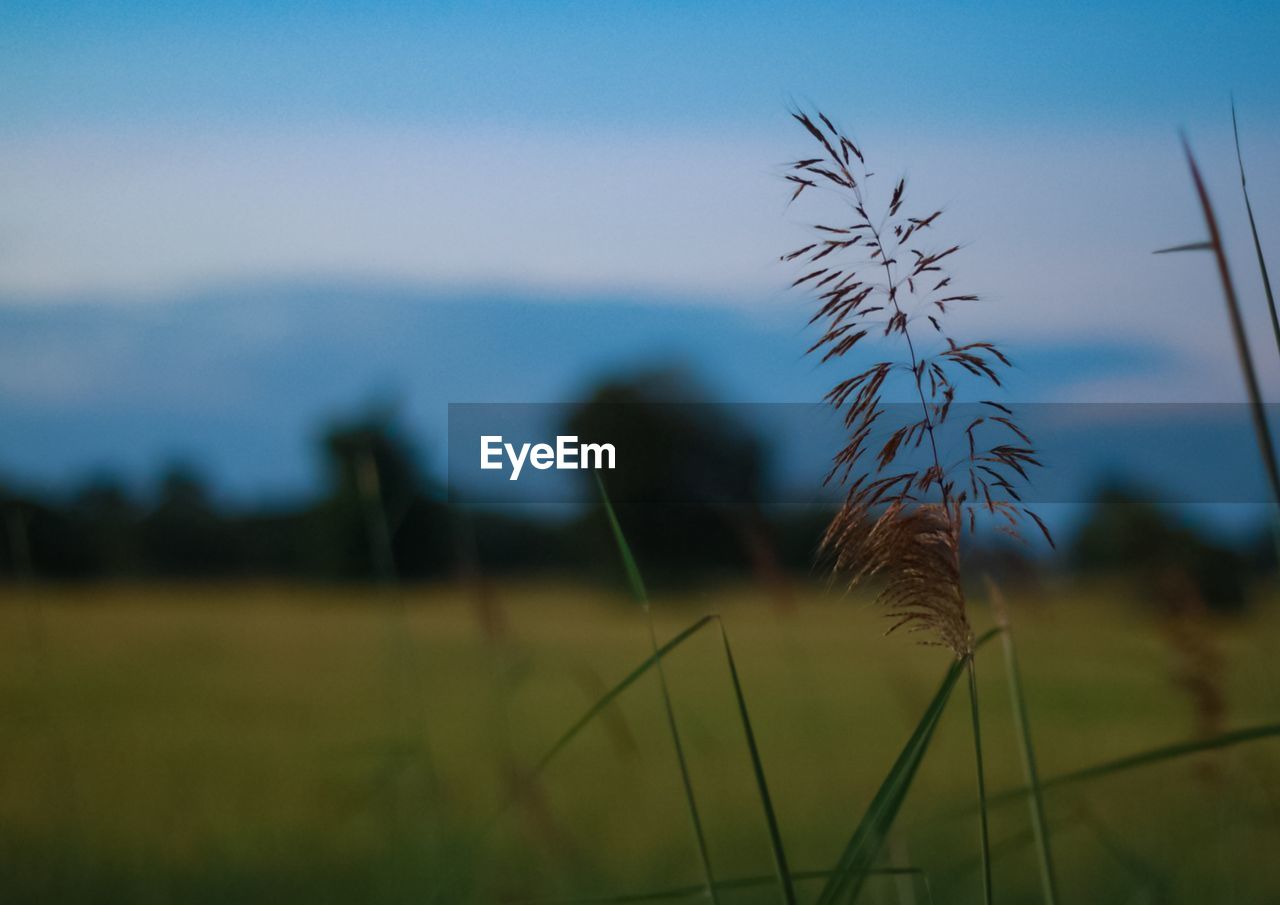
688	477
376	520
1127	532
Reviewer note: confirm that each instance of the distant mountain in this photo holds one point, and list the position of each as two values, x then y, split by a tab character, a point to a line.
238	381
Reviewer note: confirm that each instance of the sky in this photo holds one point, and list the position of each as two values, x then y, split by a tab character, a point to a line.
159	158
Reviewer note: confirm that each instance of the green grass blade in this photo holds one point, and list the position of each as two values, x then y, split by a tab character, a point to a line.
634	579
608	697
869	837
1147	758
1015	842
586	718
1151	884
1039	824
1257	243
782	872
602	703
872	830
642	597
583	721
982	781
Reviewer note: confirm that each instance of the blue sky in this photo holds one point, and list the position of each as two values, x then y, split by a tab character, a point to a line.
594	154
647	65
155	148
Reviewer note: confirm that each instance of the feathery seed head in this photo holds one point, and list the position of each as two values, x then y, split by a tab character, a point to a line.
880	278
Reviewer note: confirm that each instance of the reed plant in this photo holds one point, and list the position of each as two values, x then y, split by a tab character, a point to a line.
879	276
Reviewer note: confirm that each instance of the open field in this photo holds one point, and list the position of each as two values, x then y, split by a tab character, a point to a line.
279	744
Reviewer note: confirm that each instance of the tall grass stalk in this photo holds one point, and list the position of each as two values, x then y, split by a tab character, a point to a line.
869	837
603	702
1022	724
526	780
1253	227
1035	801
1262	430
1266	446
1014	842
982	782
781	870
782	875
409	754
636	583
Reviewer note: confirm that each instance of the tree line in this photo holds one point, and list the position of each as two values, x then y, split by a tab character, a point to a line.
378	517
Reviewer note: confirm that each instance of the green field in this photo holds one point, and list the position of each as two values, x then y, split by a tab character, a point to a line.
270	744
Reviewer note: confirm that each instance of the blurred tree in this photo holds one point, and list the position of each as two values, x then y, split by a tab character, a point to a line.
40	539
110	520
688	479
1128	533
376	520
184	536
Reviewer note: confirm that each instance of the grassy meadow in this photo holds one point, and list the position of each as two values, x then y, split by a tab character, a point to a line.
276	744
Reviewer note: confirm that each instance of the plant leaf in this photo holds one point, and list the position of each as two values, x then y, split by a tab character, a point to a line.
1190	246
642	597
872	830
1147	758
1039	824
782	872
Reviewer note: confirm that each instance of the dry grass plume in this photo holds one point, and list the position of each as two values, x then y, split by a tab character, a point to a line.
878	277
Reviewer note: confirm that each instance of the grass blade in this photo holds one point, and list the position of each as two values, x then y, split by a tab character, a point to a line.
782	872
982	782
1014	842
1190	246
1257	243
642	597
869	836
1265	445
1022	724
572	732
1147	758
581	723
1039	824
608	697
1152	885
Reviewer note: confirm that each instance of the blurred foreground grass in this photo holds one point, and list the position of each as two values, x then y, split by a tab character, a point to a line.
270	744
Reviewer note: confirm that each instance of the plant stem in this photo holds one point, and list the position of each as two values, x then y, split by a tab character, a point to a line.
1265	445
891	290
636	582
982	783
1039	824
1257	243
